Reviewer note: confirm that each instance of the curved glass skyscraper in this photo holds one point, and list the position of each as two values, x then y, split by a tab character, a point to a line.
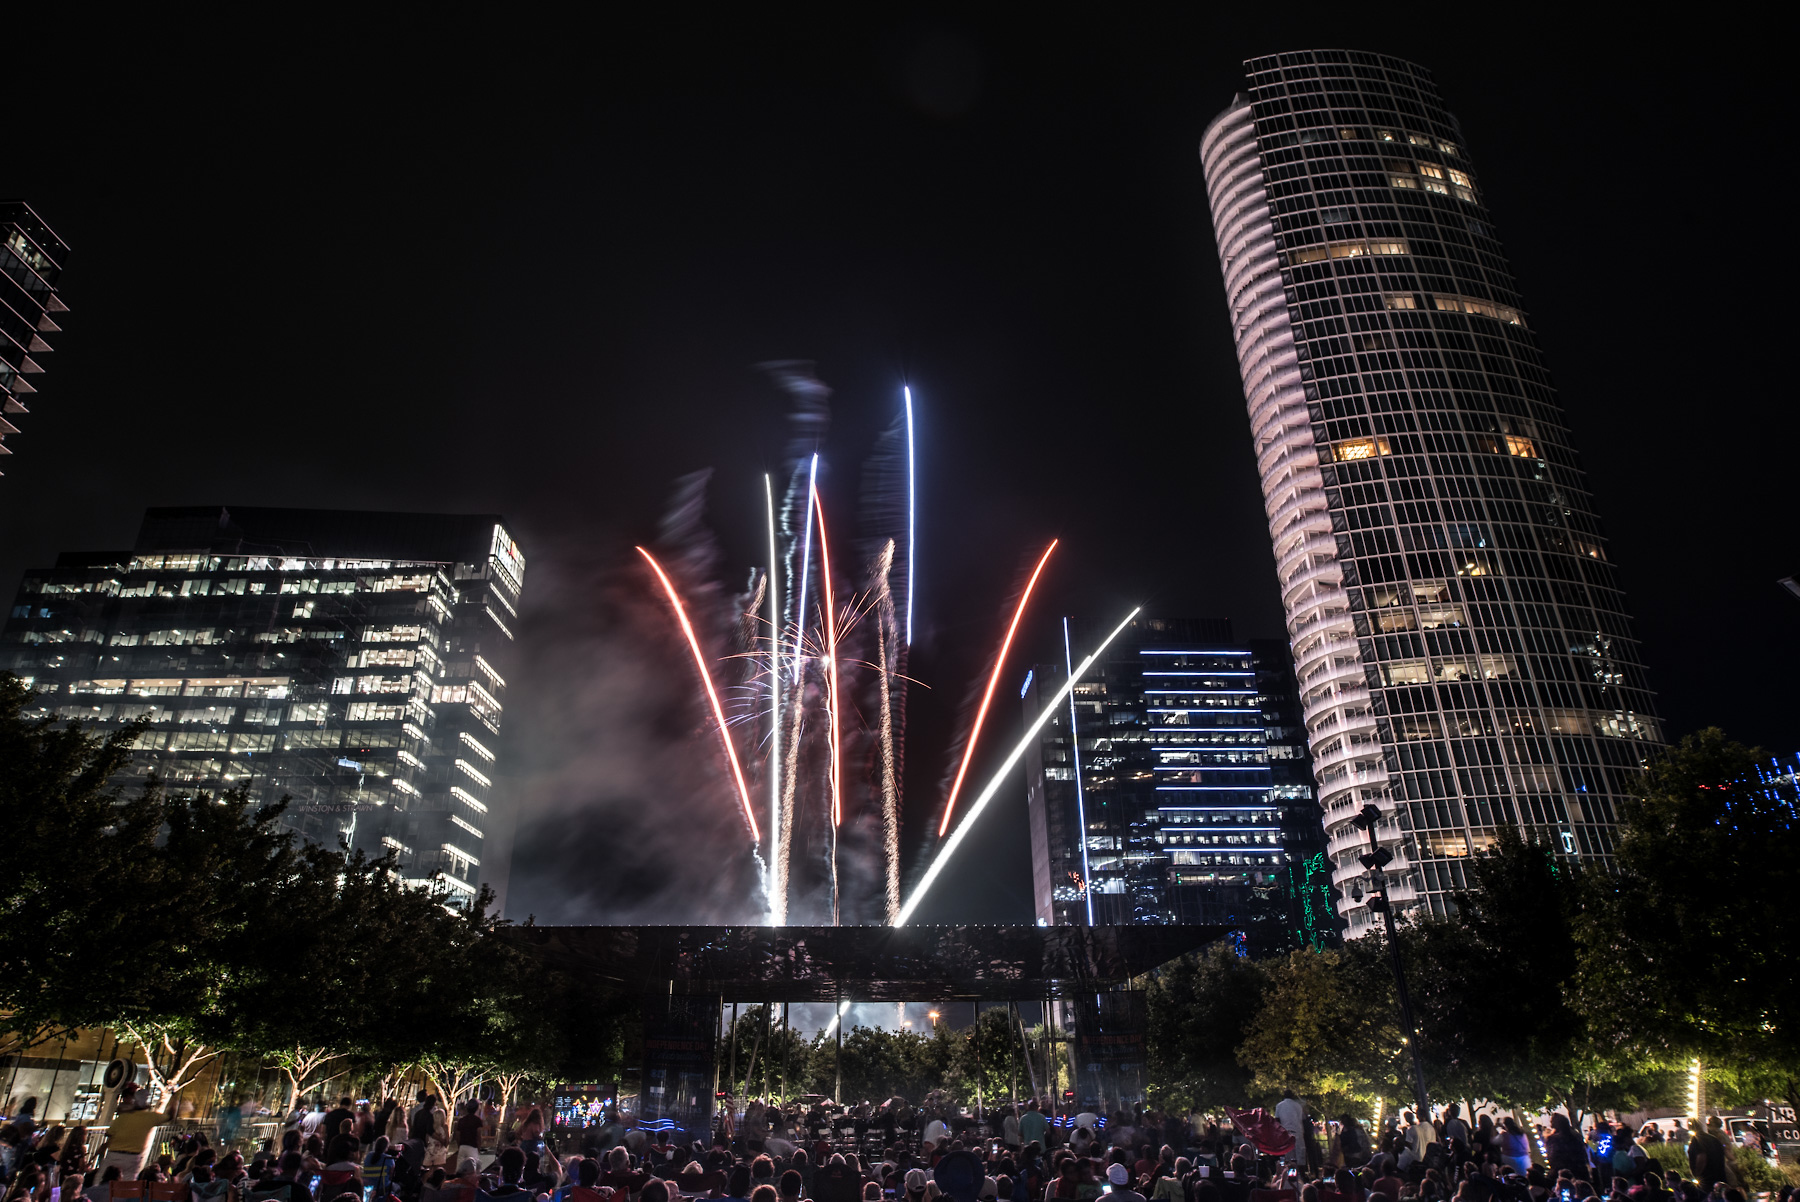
1464	656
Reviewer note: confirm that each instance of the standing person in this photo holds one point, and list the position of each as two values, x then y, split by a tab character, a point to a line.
128	1135
1706	1155
1515	1146
1010	1132
1353	1142
1032	1124
1564	1148
1456	1134
466	1133
1292	1117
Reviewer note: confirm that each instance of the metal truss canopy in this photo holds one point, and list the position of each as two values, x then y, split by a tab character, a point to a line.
864	964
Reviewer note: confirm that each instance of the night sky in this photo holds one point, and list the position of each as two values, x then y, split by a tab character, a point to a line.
489	260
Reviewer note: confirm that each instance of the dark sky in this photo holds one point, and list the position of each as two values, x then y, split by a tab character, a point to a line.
487	259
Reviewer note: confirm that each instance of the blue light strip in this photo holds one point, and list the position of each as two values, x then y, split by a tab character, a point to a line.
1219	829
1231	851
1206	788
1192	692
1200	710
1199	672
1228	730
1087	880
1209	809
1211	768
1193	653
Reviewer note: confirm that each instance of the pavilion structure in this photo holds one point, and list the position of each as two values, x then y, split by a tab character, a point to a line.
686	974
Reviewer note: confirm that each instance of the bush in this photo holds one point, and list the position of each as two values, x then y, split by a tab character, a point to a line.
1668	1155
1757	1173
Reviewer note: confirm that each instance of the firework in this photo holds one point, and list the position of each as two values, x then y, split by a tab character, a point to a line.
777	887
887	653
948	848
912	528
812	481
993	680
712	694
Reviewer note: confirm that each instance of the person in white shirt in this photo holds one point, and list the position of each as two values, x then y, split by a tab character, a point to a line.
1292	1117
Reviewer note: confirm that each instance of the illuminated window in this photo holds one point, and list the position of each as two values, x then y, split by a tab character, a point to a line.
1406	671
1402	181
1359	448
1395	621
1307	254
1468	304
1440	616
1460	178
1456	669
1417	726
1431	170
1355	250
1401	302
1387	135
1381	595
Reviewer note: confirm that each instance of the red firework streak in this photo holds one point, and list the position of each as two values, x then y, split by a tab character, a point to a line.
712	694
993	682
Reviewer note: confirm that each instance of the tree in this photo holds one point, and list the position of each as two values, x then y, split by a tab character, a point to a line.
1200	1010
1688	951
1327	1029
70	862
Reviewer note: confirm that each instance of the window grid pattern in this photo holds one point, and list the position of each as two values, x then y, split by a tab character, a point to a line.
1463	647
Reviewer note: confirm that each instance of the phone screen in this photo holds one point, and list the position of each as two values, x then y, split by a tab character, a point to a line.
369	1192
313	1185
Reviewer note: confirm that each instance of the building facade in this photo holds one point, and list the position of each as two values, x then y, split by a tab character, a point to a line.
1464	654
31	259
1176	787
354	662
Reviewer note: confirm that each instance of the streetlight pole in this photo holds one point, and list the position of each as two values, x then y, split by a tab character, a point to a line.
1376	860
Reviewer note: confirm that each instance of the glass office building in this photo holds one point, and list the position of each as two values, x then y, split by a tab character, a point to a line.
31	259
352	661
1174	786
1464	654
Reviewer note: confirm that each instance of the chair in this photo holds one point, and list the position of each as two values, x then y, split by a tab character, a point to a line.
127	1189
167	1191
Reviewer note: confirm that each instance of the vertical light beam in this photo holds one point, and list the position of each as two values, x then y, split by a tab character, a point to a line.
805	570
947	849
1087	878
993	681
912	527
828	602
777	887
712	694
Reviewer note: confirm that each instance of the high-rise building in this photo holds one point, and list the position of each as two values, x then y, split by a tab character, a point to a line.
1175	787
31	258
352	661
1465	659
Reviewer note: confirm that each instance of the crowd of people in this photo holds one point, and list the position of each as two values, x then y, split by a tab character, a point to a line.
421	1152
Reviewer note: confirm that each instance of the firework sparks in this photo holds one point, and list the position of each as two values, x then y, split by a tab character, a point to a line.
1000	777
993	681
912	527
777	887
887	653
712	694
812	481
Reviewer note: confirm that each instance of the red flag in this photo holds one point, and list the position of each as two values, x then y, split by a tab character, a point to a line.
1262	1129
